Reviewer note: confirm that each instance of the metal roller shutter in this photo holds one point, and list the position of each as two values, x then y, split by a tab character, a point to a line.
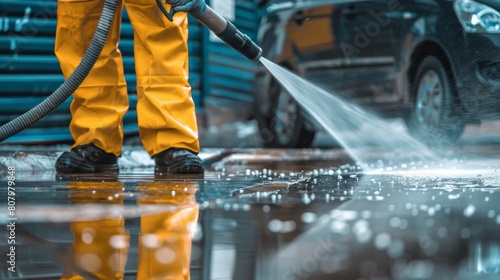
29	70
230	74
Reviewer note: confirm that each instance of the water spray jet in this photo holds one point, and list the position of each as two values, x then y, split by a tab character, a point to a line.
337	116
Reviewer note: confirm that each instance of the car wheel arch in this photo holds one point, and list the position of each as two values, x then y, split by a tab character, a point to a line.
419	53
448	129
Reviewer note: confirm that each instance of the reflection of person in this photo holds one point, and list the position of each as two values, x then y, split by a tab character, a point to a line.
165	109
100	247
166	236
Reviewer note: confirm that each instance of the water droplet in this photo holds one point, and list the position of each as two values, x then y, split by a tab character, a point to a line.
414	211
118	241
366	214
339	227
382	241
165	255
274	225
343	215
442	232
396	249
395	222
235	207
90	262
362	231
469	210
431	211
88	235
246	207
491	214
308	217
150	240
288	226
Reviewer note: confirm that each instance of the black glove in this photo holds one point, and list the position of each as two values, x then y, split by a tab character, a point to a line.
184	5
196	8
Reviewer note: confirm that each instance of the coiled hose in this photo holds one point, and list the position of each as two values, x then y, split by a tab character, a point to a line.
72	83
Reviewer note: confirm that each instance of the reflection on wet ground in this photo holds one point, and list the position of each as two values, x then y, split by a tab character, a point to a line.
308	214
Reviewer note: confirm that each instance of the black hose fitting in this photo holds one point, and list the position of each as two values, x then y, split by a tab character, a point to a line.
240	42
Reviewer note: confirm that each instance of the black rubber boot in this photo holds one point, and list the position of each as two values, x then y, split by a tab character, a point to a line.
87	159
178	161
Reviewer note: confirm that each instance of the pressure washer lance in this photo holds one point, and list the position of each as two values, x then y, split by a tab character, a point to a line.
223	28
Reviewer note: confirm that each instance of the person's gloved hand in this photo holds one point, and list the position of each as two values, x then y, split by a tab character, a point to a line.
196	8
185	5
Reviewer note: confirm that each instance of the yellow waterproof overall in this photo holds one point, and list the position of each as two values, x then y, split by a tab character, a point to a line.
165	109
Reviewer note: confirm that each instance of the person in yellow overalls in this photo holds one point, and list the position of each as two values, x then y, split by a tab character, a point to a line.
100	248
165	108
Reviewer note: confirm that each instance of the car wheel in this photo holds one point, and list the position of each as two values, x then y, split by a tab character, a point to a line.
434	119
284	127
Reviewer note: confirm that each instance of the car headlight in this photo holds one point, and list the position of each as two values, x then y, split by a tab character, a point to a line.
477	17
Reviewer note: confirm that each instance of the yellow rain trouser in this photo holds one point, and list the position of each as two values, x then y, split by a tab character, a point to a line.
100	247
165	109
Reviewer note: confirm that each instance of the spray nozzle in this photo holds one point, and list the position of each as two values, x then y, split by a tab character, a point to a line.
224	29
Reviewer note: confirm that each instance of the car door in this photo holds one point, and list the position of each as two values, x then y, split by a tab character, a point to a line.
370	34
313	30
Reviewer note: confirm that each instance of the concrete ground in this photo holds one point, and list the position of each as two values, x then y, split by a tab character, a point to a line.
257	214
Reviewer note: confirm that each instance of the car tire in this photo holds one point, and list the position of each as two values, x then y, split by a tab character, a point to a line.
284	126
434	118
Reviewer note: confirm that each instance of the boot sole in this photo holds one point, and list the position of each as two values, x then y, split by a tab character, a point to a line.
71	163
193	167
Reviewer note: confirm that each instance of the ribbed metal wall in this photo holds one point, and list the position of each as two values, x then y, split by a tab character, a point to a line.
29	70
230	75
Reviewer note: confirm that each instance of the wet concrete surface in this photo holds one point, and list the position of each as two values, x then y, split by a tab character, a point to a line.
259	214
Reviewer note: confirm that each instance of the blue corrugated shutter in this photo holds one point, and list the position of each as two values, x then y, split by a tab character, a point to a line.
230	75
29	70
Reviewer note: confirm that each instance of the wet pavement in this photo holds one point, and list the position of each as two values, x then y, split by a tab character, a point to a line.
256	214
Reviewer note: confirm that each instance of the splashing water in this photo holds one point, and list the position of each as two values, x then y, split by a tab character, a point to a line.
362	134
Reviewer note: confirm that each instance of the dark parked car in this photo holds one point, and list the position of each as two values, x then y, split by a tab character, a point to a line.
436	63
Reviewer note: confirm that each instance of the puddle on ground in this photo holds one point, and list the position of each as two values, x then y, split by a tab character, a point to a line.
386	222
